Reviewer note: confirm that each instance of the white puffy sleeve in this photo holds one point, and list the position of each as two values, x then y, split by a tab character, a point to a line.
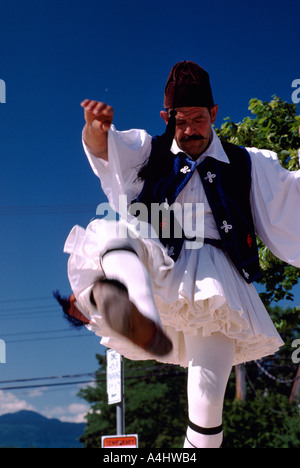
127	150
275	200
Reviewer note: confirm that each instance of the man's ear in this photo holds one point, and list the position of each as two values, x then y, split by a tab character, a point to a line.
213	113
164	116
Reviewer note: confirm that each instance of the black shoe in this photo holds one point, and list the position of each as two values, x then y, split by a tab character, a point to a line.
112	300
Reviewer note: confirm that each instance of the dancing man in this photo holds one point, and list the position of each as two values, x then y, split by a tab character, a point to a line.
170	295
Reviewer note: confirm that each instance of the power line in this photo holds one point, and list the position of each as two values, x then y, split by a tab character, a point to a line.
34	314
46	385
86	335
60	384
26	299
31	308
37	332
30	314
99	376
40	335
27	311
32	210
79	333
52	377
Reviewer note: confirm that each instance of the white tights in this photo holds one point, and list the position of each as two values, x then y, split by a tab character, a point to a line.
210	359
210	364
126	267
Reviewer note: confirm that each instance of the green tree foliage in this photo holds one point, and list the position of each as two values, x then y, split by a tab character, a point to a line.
267	417
155	405
156	409
273	126
268	421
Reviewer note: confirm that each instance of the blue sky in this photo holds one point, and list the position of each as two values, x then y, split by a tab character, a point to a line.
52	56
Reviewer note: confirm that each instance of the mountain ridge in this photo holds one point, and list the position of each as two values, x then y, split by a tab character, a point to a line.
29	429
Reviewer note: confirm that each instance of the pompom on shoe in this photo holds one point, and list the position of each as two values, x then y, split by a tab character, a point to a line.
71	312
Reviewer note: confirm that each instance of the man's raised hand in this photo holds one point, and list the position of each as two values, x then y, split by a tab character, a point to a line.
98	115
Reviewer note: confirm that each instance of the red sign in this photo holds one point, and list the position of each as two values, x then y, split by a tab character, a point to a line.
130	441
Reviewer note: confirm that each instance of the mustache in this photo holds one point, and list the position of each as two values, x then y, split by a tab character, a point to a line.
192	138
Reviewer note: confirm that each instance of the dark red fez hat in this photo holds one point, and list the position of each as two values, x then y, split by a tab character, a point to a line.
188	86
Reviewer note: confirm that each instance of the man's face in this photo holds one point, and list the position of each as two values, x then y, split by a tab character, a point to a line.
193	128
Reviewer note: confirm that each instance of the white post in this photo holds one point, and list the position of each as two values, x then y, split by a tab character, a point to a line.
115	387
120	410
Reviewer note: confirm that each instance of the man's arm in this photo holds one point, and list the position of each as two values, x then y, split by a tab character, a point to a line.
98	118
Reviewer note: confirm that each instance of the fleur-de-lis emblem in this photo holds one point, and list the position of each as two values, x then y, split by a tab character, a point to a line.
246	274
210	177
185	169
226	227
170	251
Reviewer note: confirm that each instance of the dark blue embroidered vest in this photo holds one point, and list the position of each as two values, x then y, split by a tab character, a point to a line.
227	187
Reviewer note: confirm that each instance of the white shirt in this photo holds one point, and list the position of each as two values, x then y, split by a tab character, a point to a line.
275	192
202	291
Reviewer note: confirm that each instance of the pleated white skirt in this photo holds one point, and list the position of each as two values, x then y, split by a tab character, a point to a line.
201	293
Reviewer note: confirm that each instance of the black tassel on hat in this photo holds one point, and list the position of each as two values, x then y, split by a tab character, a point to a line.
161	145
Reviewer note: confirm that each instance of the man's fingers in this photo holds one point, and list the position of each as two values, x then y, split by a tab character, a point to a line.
98	114
97	107
102	108
101	126
89	103
84	102
90	106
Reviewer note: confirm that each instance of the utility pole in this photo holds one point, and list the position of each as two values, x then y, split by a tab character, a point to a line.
120	409
296	387
240	382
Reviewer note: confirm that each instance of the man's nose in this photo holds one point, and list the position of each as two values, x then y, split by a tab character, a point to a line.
189	130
